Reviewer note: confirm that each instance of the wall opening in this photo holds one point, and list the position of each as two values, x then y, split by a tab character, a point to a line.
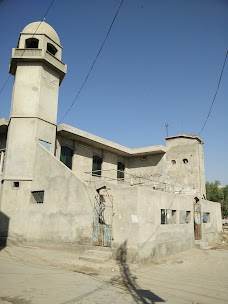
31	43
206	217
120	170
66	156
96	167
168	216
51	49
185	217
16	185
45	144
185	161
38	197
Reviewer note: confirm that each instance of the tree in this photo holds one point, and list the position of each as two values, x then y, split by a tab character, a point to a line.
216	193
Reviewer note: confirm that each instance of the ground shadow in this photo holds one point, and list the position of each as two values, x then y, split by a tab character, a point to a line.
4	229
139	295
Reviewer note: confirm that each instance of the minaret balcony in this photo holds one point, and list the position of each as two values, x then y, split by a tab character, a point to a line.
36	55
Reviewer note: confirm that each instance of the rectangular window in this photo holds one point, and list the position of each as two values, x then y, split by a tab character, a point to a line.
45	144
174	216
66	156
188	217
163	216
96	169
185	217
38	197
168	216
206	217
120	170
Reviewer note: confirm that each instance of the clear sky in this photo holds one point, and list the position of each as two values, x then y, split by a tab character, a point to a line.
161	63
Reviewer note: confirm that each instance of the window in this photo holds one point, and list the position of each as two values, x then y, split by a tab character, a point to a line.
51	49
16	185
185	217
185	161
144	157
168	216
174	217
173	162
188	217
66	156
31	43
206	217
38	197
45	144
96	169
120	170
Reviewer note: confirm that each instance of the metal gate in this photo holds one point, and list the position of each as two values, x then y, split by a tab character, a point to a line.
197	221
102	221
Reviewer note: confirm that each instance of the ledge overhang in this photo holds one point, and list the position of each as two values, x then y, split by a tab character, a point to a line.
99	142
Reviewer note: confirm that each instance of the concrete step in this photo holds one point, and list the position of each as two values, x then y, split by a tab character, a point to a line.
96	255
99	253
202	245
92	259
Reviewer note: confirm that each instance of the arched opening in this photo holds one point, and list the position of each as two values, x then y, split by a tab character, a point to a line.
31	43
51	49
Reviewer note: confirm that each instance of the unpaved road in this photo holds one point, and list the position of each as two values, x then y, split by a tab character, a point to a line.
192	276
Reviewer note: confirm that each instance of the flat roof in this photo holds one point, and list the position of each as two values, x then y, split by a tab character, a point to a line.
192	136
99	142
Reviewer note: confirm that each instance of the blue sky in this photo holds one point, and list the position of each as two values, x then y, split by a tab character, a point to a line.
161	63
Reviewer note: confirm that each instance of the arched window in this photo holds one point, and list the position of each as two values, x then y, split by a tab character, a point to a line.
96	169
120	170
51	49
31	43
66	156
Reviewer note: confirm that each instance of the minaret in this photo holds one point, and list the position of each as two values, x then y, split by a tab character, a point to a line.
38	69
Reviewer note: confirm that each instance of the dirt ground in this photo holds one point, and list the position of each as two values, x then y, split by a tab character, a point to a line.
35	275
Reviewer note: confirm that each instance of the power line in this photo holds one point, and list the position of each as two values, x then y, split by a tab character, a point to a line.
5	83
93	64
220	78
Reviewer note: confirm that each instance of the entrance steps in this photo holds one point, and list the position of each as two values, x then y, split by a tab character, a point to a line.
97	255
202	245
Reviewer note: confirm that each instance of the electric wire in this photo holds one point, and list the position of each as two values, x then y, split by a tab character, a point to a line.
93	64
215	95
48	9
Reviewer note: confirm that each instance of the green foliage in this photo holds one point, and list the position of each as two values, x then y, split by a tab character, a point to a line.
216	193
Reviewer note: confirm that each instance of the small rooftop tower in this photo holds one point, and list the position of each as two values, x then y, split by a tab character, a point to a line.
38	70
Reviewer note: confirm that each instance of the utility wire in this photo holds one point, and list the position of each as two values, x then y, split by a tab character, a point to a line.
220	78
94	62
5	83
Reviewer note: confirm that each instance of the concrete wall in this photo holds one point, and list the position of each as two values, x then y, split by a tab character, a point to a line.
213	229
151	167
189	175
66	216
137	220
83	160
